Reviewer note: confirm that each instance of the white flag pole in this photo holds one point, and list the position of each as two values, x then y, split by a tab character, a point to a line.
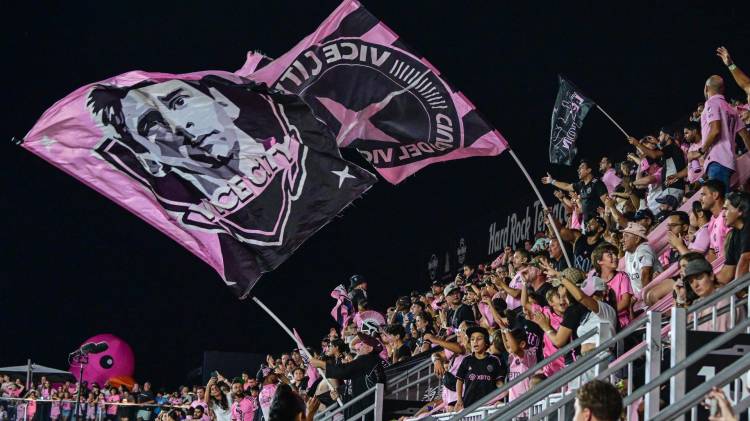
544	205
299	345
612	120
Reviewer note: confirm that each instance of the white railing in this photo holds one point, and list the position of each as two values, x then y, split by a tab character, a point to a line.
374	410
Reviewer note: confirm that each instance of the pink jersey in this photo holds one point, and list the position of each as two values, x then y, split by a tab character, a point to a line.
30	409
112	409
67	405
450	396
695	166
518	366
621	285
717	233
244	410
266	398
701	240
548	347
611	180
515	283
54	411
722	149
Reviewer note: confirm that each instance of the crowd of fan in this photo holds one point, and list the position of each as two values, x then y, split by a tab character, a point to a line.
528	302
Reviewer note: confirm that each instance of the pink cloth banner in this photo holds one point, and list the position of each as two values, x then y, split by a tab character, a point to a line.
238	175
342	310
379	96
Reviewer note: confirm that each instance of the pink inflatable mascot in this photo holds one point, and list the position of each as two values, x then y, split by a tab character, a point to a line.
114	366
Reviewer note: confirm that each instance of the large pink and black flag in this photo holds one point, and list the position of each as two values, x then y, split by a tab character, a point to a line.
237	174
380	96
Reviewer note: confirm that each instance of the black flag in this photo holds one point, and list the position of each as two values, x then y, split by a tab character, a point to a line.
571	107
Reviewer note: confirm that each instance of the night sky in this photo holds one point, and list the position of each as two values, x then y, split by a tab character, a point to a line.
75	264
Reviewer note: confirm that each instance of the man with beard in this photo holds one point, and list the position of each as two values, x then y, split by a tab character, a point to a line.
591	191
694	167
737	213
365	371
458	311
583	243
670	158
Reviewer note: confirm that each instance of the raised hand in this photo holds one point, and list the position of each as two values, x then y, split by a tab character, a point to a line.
548	179
723	54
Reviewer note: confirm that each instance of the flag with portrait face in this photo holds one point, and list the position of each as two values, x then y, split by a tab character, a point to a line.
237	174
380	96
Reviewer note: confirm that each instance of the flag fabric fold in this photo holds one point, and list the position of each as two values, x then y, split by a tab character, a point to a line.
571	107
379	96
237	174
342	311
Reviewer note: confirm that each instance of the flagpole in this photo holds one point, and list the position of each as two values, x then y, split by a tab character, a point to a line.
301	346
612	120
544	205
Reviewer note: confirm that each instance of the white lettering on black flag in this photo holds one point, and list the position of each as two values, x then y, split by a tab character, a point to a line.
571	107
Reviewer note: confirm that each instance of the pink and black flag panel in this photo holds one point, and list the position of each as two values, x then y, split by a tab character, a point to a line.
571	107
238	175
380	96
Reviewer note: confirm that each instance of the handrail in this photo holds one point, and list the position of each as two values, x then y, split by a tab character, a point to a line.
729	373
603	347
507	386
734	287
329	414
537	394
411	370
408	385
690	360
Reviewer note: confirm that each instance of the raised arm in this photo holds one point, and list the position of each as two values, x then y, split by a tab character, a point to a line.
739	76
559	337
651	153
451	346
556	183
579	296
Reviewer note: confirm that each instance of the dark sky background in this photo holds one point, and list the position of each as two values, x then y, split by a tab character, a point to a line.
75	264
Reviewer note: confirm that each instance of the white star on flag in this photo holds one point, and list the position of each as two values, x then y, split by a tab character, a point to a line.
343	175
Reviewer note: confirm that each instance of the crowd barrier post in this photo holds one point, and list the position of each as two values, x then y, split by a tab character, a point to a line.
653	361
678	338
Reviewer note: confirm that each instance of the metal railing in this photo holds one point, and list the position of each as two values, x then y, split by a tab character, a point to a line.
681	320
376	408
690	319
561	352
413	386
21	407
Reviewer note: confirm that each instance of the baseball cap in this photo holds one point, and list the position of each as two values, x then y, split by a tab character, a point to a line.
668	200
643	214
592	285
574	275
451	288
371	341
356	280
636	229
697	267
